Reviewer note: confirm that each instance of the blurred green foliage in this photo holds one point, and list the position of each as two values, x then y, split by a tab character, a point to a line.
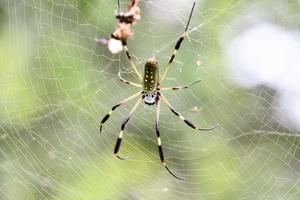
56	84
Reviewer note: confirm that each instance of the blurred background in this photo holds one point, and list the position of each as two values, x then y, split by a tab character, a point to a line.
56	84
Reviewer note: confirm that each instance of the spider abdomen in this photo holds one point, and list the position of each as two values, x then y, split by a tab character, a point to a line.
150	80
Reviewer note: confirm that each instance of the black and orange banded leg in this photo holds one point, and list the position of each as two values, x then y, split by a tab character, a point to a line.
124	43
189	123
106	117
177	46
128	82
119	140
180	87
160	149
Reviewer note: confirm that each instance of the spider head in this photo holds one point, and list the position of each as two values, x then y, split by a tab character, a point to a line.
150	98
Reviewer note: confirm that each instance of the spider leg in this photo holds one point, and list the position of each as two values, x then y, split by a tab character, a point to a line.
119	140
118	7
189	123
124	43
177	46
160	149
106	117
128	82
180	87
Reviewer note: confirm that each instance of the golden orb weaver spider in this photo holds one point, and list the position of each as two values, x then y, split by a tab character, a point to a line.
151	94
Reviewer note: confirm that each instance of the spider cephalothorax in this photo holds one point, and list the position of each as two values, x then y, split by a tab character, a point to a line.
151	94
151	98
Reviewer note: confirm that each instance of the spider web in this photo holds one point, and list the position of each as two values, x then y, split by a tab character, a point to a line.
56	84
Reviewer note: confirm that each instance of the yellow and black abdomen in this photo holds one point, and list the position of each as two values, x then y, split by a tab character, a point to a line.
151	75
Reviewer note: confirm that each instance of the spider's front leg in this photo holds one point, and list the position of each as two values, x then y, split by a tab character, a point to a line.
107	116
188	122
119	140
160	149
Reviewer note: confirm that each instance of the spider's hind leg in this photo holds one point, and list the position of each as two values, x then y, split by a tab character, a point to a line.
129	57
180	87
128	82
177	46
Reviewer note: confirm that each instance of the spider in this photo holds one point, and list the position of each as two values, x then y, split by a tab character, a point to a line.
123	31
151	95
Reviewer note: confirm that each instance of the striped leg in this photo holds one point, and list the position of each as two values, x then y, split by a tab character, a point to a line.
160	149
177	46
119	140
128	82
189	123
130	59
180	87
106	117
